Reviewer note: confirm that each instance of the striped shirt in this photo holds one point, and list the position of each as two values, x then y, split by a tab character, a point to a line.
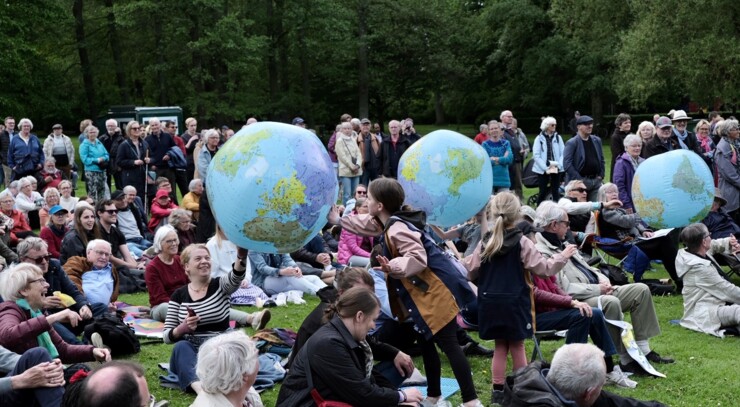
213	309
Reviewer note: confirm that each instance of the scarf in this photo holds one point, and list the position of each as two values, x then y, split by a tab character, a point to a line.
368	358
44	338
58	231
706	143
681	138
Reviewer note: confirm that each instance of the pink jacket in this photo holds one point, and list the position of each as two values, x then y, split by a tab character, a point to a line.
349	245
19	333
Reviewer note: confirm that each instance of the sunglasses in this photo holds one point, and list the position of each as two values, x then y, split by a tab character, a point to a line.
111	211
40	259
362	192
136	128
580	190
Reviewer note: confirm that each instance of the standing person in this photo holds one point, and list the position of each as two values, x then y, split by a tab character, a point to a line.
523	142
179	166
160	143
500	155
409	254
625	168
25	153
662	142
728	166
60	147
515	169
646	131
548	160
391	149
5	137
686	139
96	160
133	158
370	148
206	221
706	145
482	134
623	125
583	157
505	296
350	161
111	139
191	137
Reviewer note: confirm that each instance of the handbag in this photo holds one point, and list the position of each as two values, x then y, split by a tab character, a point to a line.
320	402
354	159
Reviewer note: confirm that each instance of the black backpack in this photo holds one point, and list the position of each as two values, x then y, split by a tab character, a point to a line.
118	336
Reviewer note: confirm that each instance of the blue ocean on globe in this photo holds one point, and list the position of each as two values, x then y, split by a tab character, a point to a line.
446	175
271	187
673	189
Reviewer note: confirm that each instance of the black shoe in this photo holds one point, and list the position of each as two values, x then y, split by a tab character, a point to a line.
634	368
475	349
654	357
497	397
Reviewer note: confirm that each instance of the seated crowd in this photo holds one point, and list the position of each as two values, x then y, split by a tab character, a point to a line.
388	291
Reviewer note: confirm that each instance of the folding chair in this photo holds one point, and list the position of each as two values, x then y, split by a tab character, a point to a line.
608	249
536	338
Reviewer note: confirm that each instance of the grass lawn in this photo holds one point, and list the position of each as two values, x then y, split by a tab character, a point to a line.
705	372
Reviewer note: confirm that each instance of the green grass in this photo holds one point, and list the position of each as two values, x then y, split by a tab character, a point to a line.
705	372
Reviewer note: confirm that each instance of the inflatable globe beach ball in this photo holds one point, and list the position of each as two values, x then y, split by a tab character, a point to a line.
271	187
447	175
673	189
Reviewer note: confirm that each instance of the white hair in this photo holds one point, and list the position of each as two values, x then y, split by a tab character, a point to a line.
355	122
546	122
577	368
631	139
154	120
50	191
547	213
94	244
129	189
25	121
23	182
111	121
194	183
224	360
482	127
501	116
159	237
16	278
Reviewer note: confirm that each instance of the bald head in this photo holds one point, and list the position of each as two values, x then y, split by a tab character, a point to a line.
117	384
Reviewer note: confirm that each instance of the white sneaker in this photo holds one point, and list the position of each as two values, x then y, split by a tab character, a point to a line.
281	300
440	403
296	297
260	319
620	379
477	405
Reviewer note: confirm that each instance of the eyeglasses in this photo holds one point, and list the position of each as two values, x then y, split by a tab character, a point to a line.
172	241
111	211
361	192
136	128
565	222
38	280
704	129
581	190
40	259
102	253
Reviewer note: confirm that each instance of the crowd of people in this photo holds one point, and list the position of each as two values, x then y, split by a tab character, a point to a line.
388	290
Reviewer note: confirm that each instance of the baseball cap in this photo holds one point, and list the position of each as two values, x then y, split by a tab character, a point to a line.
56	209
663	122
298	120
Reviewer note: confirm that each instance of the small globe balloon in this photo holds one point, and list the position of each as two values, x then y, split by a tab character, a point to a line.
271	187
446	175
673	189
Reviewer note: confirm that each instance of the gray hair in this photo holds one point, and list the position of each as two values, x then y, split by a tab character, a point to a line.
154	120
95	242
501	116
546	122
16	278
50	160
547	213
577	368
159	237
7	193
483	127
692	236
129	189
23	182
177	215
644	124
87	131
224	360
724	127
210	133
113	121
194	183
604	189
50	191
30	243
632	139
25	121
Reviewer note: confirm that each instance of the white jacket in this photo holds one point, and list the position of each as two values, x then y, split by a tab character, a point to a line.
704	290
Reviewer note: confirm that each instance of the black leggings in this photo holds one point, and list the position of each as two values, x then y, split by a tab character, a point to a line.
553	180
446	339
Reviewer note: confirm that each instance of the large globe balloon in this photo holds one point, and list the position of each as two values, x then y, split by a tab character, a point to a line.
271	186
447	175
673	189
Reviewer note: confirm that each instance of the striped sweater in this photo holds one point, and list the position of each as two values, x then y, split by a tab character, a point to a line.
213	309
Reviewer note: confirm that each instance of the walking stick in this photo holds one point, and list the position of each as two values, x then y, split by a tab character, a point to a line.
146	182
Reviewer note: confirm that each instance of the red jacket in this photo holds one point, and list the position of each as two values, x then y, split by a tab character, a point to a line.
163	279
20	224
480	138
548	296
158	213
19	333
53	241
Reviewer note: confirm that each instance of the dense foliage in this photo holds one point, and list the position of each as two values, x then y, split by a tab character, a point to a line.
436	60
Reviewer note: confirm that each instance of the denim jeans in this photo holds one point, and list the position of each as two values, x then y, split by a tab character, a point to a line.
137	246
38	396
349	184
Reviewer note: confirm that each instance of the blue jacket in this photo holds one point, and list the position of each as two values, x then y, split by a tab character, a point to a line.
90	152
177	158
502	150
268	265
25	158
574	157
539	152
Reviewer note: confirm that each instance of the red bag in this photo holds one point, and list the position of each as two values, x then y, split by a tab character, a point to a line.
320	402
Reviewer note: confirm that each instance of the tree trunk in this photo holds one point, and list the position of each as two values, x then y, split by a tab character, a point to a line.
115	46
439	111
597	108
363	89
87	76
305	105
272	72
158	52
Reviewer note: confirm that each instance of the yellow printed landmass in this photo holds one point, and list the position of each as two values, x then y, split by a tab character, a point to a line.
462	167
650	209
284	235
287	192
686	180
245	146
411	165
